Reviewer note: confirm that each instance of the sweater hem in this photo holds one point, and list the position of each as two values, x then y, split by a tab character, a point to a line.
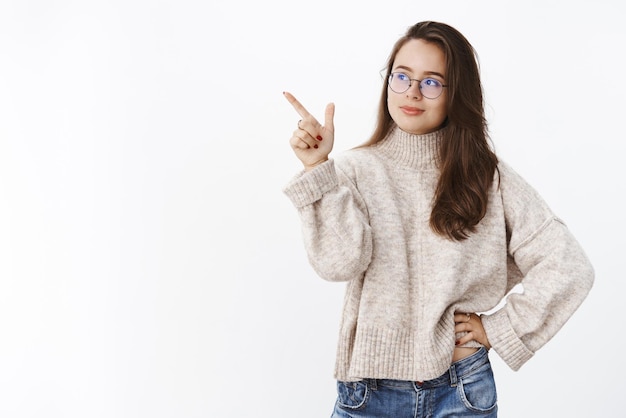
383	353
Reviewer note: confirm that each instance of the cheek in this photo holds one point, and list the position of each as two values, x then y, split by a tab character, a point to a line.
444	104
442	110
392	110
391	101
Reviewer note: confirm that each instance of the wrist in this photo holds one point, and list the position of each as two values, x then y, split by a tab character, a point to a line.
309	167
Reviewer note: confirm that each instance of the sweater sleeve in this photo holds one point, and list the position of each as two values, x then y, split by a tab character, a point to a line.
337	236
556	275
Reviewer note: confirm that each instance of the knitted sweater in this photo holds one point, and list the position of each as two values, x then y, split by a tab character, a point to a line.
365	220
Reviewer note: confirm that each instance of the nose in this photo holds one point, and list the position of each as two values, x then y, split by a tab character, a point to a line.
414	91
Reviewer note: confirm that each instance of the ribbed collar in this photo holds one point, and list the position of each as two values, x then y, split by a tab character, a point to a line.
418	152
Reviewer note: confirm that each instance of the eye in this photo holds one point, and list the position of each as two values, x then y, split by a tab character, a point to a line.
401	76
431	82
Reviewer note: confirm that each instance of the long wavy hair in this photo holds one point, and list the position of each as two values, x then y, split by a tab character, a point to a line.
467	162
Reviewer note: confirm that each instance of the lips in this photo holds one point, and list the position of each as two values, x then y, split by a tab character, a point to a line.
411	111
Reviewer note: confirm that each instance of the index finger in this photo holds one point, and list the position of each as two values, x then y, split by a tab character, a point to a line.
297	105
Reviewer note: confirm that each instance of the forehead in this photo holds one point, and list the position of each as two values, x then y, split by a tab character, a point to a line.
420	56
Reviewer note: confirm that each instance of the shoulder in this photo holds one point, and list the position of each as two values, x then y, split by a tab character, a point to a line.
525	209
513	185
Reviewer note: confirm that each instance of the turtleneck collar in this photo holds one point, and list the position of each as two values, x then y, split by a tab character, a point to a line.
418	152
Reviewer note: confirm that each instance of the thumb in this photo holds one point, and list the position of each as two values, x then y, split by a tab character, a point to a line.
329	115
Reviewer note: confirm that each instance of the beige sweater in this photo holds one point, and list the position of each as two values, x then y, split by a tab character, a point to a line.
365	220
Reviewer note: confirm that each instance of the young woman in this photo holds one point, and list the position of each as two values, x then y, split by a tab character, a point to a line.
431	232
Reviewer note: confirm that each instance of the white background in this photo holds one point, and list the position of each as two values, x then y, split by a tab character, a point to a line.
150	265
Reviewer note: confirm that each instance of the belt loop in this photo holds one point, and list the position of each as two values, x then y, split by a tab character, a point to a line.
453	378
372	383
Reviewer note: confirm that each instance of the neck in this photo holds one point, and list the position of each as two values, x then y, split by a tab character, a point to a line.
412	150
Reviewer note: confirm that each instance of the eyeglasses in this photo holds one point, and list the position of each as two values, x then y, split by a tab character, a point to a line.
429	87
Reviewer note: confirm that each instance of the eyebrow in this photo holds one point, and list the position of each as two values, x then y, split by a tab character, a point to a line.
403	67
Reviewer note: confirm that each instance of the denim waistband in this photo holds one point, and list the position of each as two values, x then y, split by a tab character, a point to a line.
457	370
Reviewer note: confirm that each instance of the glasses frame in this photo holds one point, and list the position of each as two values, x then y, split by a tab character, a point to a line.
390	76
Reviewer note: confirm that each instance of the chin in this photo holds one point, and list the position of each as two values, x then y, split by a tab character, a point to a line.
420	129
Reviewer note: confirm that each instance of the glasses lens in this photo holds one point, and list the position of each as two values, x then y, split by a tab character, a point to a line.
399	82
431	88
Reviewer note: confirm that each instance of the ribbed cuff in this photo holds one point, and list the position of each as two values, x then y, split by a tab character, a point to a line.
309	186
504	341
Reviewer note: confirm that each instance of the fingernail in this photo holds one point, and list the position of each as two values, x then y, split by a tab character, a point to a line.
319	138
315	146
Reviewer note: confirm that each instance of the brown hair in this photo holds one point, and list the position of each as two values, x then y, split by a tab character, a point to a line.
467	162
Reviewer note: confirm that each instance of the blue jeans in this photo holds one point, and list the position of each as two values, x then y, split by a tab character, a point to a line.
467	389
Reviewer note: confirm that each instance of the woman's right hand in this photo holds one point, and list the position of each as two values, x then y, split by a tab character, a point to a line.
312	142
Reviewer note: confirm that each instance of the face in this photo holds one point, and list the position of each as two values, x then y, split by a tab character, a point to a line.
411	111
